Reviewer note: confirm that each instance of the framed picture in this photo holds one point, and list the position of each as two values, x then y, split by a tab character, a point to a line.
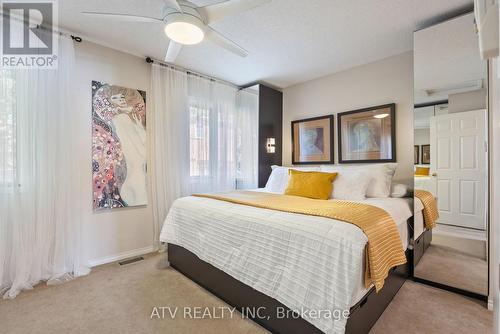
416	154
367	135
118	146
426	154
312	141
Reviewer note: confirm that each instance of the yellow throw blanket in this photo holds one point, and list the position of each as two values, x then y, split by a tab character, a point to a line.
431	213
384	249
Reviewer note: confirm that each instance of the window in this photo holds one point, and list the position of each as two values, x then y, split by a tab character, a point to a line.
212	143
7	130
222	140
199	141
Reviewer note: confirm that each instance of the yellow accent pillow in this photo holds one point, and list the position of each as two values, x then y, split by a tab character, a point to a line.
317	185
422	171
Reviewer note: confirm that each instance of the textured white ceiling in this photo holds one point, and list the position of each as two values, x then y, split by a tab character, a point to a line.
290	41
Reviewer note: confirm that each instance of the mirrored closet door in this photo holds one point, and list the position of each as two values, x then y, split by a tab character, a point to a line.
450	138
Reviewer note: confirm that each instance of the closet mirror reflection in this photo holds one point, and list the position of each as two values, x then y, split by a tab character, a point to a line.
450	138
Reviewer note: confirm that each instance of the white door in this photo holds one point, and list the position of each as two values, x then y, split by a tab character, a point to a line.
458	166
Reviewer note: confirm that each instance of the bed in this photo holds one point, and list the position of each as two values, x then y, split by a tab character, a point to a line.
418	218
425	182
422	235
253	257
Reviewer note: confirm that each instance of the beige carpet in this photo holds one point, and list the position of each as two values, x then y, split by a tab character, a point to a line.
447	266
419	308
120	299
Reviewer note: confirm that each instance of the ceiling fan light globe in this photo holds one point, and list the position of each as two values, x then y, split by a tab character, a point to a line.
184	33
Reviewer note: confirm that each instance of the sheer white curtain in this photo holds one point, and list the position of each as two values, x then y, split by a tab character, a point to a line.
212	135
247	103
204	137
41	206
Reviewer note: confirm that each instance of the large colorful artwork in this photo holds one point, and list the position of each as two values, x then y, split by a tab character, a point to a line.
118	146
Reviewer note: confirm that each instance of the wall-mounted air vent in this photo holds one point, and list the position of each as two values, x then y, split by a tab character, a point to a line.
129	261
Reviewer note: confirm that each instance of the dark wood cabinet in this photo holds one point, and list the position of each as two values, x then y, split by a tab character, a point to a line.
270	126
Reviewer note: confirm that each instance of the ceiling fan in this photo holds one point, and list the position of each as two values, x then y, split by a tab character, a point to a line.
187	24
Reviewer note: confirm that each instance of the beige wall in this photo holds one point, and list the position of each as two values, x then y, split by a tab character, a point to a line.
386	81
110	235
467	101
422	137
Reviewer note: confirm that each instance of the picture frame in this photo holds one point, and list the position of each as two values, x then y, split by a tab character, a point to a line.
426	154
312	140
416	154
367	135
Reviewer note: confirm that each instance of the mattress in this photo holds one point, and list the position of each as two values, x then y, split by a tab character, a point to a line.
305	262
427	183
418	219
400	211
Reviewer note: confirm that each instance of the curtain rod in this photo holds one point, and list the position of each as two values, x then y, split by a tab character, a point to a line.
58	31
77	39
150	60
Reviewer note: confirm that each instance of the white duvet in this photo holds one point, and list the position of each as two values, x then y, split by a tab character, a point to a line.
305	262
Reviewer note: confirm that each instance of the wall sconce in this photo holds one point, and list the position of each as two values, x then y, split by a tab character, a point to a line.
271	145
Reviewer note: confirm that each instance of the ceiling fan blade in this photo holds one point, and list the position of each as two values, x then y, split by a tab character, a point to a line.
172	51
123	17
221	10
222	41
173	4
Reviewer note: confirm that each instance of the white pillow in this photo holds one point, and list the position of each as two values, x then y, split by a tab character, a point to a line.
399	190
381	176
278	180
349	185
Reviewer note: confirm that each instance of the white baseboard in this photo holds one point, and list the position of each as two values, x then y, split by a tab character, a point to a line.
490	304
460	232
121	256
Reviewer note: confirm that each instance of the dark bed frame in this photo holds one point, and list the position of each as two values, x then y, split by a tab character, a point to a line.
421	245
362	316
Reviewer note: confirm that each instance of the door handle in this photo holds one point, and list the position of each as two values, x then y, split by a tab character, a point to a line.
434	174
